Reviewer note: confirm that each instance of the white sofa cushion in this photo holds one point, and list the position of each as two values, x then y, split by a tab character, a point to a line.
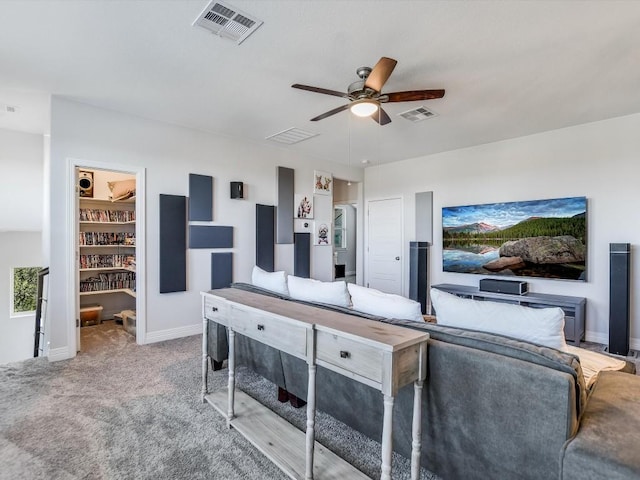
273	281
310	290
543	326
386	305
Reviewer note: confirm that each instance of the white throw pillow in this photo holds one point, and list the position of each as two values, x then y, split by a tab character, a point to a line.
333	293
274	281
386	305
543	326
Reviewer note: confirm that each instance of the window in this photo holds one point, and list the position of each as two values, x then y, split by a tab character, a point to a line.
24	289
339	227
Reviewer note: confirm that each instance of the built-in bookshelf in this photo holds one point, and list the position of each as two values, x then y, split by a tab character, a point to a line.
109	261
108	281
107	254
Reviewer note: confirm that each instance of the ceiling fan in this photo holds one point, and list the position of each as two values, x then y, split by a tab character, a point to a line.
366	95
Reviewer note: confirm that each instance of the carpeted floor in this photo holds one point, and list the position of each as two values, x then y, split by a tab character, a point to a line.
123	411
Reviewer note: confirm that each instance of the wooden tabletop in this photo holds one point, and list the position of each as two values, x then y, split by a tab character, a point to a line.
387	336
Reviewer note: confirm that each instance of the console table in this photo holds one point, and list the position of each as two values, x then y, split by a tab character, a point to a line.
380	355
573	307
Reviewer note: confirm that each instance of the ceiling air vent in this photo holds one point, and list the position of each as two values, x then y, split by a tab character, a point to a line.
418	114
227	21
291	136
4	108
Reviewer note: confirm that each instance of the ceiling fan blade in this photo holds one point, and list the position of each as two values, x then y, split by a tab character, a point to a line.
380	73
330	112
320	90
381	117
413	95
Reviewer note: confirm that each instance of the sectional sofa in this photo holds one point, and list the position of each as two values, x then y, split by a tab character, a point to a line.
494	407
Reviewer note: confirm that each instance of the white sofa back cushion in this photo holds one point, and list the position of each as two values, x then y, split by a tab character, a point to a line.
307	289
274	281
386	305
543	326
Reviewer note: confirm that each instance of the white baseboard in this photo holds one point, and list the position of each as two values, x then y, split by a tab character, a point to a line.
57	354
172	333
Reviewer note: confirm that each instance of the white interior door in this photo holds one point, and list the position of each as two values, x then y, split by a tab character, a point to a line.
384	264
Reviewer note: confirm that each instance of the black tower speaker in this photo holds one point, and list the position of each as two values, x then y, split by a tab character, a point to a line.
418	278
619	297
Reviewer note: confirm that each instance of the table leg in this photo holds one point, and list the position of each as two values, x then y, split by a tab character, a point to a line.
387	438
205	357
311	420
416	444
232	375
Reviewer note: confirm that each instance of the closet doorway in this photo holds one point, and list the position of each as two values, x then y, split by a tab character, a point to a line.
108	244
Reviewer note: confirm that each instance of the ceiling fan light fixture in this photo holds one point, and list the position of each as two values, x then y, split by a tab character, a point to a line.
364	108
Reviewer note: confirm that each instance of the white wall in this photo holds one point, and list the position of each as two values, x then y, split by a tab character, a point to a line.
21	169
169	154
598	160
19	249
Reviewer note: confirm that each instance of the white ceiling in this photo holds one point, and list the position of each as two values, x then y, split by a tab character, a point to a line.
510	68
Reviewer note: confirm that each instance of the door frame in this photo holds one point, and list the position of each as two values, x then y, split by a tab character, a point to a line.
402	246
73	299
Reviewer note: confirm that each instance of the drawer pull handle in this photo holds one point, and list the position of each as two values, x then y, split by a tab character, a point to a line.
260	327
344	354
214	309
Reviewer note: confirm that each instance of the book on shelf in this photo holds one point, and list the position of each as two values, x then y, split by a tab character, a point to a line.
109	281
107	238
107	216
117	260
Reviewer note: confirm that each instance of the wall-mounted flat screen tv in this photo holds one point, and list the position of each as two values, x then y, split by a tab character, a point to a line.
536	238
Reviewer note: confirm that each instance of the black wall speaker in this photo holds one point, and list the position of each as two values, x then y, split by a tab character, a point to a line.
85	183
237	190
619	297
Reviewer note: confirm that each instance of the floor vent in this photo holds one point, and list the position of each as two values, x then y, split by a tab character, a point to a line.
291	136
227	22
418	114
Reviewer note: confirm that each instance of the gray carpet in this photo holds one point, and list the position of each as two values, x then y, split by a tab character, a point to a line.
123	411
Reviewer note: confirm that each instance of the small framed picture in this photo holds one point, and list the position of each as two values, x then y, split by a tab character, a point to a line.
322	234
322	183
303	206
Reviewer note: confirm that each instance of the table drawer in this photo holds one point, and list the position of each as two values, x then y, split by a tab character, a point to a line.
280	333
216	309
350	355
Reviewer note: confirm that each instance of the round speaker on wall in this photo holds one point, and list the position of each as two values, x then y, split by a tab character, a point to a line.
85	183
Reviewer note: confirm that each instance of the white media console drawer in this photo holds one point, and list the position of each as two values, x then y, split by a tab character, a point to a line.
278	332
216	309
350	355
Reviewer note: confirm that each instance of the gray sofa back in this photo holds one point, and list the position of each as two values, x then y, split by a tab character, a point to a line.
490	409
493	407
